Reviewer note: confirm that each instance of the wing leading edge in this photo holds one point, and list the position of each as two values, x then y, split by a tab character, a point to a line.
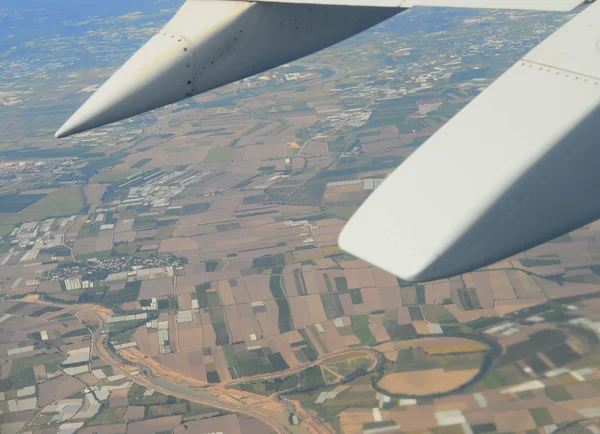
542	5
211	43
517	167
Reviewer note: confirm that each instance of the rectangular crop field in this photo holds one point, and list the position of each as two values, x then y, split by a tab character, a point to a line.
10	203
219	155
332	305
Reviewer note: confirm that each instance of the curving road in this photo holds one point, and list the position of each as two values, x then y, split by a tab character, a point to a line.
311	422
105	355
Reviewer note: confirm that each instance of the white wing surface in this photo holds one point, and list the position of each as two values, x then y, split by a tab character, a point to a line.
543	5
517	167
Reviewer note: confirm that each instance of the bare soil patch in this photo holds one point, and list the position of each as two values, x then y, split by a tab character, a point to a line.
428	382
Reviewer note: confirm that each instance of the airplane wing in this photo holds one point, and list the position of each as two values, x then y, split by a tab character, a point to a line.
517	167
211	43
544	5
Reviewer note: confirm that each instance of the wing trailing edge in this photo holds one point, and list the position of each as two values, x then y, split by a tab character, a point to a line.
540	5
515	168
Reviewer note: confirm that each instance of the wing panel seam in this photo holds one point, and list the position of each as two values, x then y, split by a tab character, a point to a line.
566	71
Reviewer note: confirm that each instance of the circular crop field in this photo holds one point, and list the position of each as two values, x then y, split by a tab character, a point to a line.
430	366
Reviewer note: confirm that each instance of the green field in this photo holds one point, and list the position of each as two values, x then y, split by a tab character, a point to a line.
275	286
30	362
195	208
314	377
268	387
94	166
194	409
356	296
360	325
211	266
141	163
136	396
417	359
413	360
16	307
11	203
500	377
328	282
541	416
221	333
269	261
558	393
537	364
332	305
144	222
110	416
562	355
538	262
44	310
61	251
158	404
484	428
213	299
125	295
66	201
346	365
62	316
538	342
152	411
71	296
216	155
93	295
124	337
112	176
330	409
285	322
126	249
308	352
202	295
438	314
22	377
242	362
342	212
6	229
76	333
341	284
